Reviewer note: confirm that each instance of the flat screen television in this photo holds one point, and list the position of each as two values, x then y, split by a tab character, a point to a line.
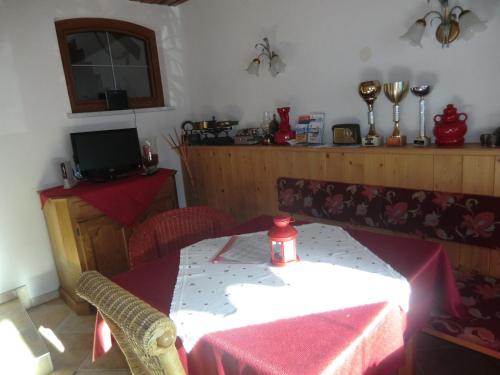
107	154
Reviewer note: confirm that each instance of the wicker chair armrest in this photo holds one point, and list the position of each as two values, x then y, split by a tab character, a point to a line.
140	322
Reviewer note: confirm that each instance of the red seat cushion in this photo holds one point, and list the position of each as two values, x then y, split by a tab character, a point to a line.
481	298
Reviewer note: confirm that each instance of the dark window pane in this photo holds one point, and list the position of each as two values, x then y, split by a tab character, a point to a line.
134	80
90	48
127	50
92	82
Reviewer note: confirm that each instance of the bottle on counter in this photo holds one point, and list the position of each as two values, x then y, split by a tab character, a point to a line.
274	126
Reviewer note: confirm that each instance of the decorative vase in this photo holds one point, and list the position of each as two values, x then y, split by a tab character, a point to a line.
450	127
285	132
149	155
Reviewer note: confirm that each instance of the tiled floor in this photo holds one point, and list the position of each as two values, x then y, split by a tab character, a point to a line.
75	332
434	356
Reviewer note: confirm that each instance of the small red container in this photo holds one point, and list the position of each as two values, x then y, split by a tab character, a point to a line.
450	127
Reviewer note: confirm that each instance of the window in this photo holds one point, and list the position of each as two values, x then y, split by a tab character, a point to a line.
101	54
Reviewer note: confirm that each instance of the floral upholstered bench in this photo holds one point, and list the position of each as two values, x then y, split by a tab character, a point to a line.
464	218
479	329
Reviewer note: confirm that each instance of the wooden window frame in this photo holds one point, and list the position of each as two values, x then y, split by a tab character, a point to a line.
75	25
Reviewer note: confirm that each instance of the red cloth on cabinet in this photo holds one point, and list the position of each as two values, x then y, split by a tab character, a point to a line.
123	200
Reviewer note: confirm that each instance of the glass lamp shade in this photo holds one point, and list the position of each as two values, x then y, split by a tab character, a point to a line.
277	65
415	33
254	66
470	24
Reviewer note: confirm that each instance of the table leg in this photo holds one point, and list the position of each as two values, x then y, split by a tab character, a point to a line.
410	354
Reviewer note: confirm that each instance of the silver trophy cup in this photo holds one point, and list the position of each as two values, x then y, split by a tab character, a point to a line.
421	92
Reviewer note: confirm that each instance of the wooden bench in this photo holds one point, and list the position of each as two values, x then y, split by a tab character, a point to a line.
462	218
479	329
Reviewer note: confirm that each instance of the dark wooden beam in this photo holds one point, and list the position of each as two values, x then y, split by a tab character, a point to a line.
162	2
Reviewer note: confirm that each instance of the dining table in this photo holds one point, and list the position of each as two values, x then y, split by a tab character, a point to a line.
363	339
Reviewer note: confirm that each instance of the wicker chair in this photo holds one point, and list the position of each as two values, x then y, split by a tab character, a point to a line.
172	230
145	335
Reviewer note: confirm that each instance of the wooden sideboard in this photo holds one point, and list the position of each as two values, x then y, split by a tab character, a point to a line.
84	238
242	179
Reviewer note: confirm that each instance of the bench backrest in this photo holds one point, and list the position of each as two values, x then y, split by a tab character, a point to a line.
464	218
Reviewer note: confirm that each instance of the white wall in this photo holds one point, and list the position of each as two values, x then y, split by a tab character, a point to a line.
34	126
329	47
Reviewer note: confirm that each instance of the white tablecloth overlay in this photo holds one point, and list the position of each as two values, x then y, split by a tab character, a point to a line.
335	272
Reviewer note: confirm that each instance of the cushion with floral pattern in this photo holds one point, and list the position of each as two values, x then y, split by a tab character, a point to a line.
465	218
481	324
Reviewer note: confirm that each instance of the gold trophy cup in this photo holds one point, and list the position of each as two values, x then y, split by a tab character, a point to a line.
396	92
369	91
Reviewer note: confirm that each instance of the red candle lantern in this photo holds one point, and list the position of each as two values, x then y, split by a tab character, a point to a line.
283	241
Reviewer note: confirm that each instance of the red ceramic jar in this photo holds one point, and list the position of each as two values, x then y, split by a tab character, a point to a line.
450	127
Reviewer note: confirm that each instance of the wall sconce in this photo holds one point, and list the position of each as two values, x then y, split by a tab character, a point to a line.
276	65
454	23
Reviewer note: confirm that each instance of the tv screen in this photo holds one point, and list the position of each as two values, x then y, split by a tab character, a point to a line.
106	154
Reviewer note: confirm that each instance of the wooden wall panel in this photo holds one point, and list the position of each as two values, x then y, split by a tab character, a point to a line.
242	166
409	171
497	176
453	250
265	171
478	174
243	180
475	258
334	166
420	171
310	165
354	167
211	186
494	263
191	187
373	173
225	180
448	173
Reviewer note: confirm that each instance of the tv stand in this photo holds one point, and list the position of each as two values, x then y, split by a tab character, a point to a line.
84	238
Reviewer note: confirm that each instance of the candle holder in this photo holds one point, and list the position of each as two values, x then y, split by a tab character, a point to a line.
283	241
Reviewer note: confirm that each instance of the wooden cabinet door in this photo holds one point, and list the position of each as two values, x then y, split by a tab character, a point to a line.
104	245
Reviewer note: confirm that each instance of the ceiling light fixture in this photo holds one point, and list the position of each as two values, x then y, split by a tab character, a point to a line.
455	22
276	65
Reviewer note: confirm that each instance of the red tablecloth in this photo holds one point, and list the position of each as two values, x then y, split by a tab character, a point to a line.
123	200
307	345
